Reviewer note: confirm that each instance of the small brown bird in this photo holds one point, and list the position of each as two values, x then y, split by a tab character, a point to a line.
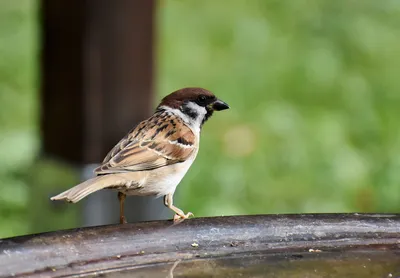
153	157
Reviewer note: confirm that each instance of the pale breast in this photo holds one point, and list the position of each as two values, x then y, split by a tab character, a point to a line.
161	181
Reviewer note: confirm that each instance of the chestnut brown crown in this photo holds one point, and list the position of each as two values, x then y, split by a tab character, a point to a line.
200	96
179	97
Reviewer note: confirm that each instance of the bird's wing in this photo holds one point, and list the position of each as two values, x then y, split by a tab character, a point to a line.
151	145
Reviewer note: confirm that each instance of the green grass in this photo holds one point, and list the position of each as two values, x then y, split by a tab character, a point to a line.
314	93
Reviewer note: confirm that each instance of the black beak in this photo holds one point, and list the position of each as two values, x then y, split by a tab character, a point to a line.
219	105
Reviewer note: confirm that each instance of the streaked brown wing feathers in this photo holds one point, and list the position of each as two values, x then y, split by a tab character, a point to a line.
151	145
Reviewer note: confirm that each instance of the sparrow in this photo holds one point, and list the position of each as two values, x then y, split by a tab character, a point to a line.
153	157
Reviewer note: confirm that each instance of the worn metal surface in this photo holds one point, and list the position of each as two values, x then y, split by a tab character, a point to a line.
230	244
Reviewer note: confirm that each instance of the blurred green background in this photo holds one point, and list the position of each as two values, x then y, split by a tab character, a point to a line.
314	93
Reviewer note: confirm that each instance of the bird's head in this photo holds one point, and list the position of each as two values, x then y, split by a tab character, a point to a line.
197	104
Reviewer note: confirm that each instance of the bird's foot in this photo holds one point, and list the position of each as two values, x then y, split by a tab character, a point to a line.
181	217
122	220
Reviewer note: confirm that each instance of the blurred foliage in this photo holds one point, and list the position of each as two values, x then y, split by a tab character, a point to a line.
314	93
49	177
18	111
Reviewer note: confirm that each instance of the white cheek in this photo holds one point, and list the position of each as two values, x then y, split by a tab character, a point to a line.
194	124
201	112
199	109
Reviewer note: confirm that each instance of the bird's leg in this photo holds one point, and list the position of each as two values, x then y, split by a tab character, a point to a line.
179	214
121	198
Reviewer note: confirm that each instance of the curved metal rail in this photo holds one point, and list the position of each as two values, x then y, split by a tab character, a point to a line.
117	248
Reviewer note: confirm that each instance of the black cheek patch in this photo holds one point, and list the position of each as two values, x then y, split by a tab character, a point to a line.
191	113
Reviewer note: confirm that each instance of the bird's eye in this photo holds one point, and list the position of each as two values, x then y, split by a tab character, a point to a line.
202	98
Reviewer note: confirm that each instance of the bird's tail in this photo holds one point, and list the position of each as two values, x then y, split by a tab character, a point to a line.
83	189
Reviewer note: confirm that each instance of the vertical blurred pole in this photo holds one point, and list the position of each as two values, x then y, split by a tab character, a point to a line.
97	65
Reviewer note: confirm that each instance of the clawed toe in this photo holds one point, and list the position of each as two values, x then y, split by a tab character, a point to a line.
179	218
179	214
